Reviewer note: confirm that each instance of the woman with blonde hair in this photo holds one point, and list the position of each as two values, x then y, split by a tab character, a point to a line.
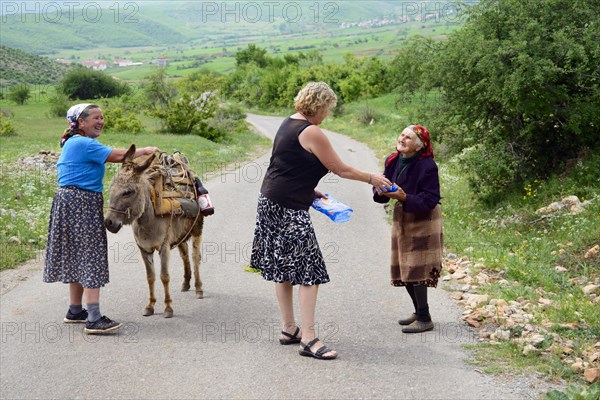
285	246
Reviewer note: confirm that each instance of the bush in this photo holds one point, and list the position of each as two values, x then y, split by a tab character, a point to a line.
83	83
188	115
122	114
489	170
227	120
19	93
59	104
6	127
115	119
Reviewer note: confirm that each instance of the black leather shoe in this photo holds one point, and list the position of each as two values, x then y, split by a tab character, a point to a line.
78	318
103	325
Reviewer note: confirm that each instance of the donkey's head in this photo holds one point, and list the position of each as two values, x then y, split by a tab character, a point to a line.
127	193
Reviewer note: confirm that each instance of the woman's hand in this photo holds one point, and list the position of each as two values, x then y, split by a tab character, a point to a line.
380	182
318	194
149	150
398	194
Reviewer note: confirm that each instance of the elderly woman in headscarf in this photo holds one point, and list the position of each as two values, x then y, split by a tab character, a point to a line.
76	252
417	238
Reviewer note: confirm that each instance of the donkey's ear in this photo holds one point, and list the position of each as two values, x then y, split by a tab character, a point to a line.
128	157
144	166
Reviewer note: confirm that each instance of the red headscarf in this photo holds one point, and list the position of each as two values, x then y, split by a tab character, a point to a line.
423	134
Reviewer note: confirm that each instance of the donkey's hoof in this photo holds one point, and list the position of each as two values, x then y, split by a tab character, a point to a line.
185	287
168	314
200	294
148	312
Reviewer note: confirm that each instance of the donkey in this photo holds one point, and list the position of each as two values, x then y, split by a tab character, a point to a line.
130	202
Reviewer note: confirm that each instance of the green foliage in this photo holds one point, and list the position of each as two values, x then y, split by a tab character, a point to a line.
576	393
190	115
83	83
19	67
59	104
414	66
521	77
227	120
199	82
252	54
495	170
352	88
122	121
19	93
6	127
121	114
158	92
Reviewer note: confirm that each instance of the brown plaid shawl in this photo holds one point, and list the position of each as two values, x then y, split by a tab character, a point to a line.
417	245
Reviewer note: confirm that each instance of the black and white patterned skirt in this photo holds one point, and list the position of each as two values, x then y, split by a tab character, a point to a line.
285	246
76	251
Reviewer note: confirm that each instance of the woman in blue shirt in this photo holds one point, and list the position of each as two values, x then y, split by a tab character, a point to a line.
76	252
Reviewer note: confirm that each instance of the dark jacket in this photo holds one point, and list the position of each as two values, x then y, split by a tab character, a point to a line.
419	180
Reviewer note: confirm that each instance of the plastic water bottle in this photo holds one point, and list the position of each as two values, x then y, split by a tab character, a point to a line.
206	206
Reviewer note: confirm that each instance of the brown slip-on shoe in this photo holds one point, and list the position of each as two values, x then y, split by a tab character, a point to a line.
408	320
418	326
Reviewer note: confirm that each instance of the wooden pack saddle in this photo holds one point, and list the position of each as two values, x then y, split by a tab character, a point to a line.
174	190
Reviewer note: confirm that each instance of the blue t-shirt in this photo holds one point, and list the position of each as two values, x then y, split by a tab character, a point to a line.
81	163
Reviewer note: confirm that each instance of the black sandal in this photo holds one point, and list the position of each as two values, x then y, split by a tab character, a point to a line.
293	339
320	353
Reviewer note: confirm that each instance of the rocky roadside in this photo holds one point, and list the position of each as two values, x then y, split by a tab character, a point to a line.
498	320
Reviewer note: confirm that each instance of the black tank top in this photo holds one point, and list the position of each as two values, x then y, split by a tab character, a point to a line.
293	172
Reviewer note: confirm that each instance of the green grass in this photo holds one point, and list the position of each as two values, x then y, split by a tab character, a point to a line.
27	194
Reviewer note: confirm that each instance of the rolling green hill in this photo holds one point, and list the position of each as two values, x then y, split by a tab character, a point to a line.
50	27
16	66
193	34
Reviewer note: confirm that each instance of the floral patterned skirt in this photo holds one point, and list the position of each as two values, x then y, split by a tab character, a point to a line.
285	246
76	250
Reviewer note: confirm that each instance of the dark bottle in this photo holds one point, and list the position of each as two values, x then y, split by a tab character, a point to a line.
206	207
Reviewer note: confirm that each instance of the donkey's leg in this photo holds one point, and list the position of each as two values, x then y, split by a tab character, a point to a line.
165	251
196	258
187	272
148	259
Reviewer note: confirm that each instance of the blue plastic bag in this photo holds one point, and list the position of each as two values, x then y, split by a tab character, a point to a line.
334	209
393	188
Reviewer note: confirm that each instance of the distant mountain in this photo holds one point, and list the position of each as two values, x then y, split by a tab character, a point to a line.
17	66
46	27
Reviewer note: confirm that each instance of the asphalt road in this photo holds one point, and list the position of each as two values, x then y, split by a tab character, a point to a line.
225	345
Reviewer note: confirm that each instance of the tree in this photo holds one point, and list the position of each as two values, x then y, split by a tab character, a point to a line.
83	83
521	77
19	93
253	54
158	91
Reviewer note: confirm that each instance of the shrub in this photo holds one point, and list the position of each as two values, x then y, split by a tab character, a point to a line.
189	115
115	119
59	104
227	119
19	93
83	83
6	127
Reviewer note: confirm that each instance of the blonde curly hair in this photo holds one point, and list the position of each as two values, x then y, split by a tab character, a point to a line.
314	98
